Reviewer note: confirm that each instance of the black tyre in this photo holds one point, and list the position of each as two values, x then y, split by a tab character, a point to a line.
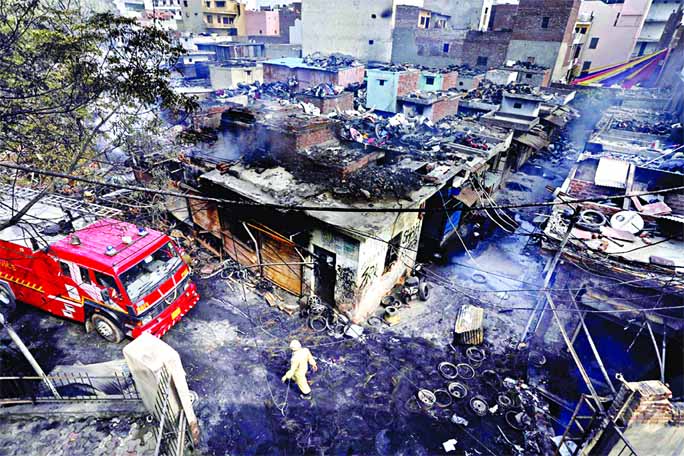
107	329
7	301
423	291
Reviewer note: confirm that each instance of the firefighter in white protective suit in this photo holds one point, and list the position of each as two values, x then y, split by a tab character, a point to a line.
299	366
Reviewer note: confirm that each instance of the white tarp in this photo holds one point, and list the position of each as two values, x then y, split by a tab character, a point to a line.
612	173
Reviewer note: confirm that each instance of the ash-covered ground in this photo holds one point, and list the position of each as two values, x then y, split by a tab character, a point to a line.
235	350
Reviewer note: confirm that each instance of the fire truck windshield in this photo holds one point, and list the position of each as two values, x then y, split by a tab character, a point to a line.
150	272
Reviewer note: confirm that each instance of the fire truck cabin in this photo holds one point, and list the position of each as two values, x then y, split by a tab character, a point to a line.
81	264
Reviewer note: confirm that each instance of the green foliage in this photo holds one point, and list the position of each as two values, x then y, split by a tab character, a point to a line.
70	80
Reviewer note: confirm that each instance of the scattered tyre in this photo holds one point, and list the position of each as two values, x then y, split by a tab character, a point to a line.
107	329
423	291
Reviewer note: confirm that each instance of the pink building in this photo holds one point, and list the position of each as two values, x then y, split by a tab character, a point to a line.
605	34
266	23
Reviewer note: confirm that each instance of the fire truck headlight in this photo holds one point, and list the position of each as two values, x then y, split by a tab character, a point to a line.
146	320
186	286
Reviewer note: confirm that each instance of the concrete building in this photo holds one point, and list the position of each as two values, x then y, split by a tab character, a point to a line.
434	106
227	75
173	7
222	17
464	15
606	33
434	80
359	28
654	26
310	75
543	33
262	23
385	86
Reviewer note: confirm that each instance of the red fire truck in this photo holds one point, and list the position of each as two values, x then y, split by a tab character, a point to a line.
116	278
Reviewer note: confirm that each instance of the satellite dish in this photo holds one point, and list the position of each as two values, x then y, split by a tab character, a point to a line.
629	221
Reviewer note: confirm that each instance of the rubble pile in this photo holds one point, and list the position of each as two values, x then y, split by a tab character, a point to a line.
258	90
323	90
491	92
643	126
528	66
333	61
404	133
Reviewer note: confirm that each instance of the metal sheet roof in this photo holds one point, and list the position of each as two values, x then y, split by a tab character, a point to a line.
612	173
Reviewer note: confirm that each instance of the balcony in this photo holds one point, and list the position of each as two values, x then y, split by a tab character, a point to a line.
579	38
220	7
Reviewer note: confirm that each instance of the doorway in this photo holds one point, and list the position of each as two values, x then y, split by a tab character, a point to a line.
324	275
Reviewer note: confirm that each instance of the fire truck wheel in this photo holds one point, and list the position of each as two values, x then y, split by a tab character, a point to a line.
7	301
107	329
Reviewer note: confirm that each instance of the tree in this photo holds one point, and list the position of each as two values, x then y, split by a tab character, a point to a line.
74	83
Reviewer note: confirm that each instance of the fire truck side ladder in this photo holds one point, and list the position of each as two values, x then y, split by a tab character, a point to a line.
59	201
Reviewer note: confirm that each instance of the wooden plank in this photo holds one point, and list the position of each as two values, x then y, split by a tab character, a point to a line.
287	276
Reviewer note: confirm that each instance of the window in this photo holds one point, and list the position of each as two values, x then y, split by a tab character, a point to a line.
220	4
105	281
85	277
210	18
528	75
545	22
420	109
586	65
190	60
185	3
593	44
517	105
482	61
382	81
578	49
151	272
371	42
65	269
445	48
530	59
392	254
422	20
248	72
617	18
226	20
374	16
429	80
208	4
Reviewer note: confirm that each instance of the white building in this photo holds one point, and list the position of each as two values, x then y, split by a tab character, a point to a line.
653	28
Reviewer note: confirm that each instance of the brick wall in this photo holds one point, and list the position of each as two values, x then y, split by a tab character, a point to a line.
450	80
502	17
308	77
444	108
493	45
561	15
646	402
344	102
408	82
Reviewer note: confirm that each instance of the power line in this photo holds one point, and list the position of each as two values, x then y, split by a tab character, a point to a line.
366	209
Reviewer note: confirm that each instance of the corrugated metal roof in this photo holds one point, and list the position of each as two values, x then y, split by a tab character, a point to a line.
611	173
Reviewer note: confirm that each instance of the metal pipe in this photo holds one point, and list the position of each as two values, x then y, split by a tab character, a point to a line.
593	346
29	357
574	354
655	345
662	374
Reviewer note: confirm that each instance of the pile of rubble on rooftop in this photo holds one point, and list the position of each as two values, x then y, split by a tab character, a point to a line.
258	90
322	90
493	93
404	133
332	61
657	127
528	66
